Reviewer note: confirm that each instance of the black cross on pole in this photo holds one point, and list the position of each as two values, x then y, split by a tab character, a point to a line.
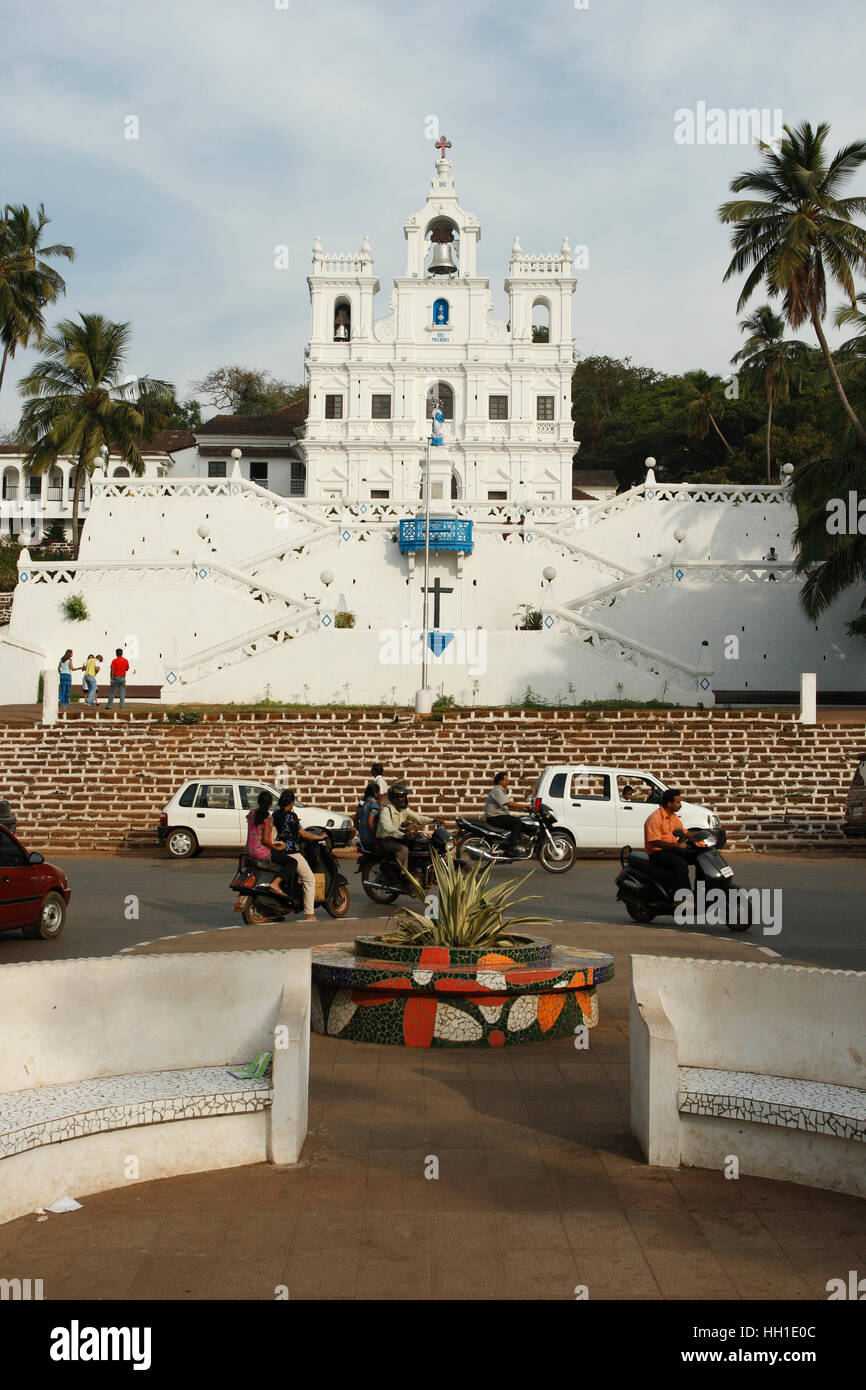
437	589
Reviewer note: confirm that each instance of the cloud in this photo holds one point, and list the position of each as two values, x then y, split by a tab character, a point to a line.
262	126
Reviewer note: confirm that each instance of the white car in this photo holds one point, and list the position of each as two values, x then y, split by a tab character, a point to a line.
606	807
213	813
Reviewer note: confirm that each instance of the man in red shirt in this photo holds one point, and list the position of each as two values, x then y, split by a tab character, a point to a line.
119	668
661	833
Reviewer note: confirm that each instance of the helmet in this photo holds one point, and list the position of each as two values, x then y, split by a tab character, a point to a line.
398	795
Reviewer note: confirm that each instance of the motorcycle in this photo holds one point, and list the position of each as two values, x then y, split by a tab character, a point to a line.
381	876
647	897
259	903
534	838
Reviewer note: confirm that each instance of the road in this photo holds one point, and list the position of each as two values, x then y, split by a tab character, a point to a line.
118	902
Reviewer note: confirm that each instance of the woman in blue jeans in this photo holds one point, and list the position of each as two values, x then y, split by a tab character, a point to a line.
66	668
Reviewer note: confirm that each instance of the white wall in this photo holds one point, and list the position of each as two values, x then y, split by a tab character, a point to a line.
319	668
775	641
172	619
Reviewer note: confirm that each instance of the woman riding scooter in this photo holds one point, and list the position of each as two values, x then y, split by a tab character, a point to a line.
291	834
261	844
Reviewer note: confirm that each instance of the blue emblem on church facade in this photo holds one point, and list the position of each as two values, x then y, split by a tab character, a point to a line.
440	312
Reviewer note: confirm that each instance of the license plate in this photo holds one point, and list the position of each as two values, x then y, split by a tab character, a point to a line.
727	872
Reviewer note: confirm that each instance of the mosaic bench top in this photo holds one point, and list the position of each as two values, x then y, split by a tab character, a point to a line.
50	1114
432	968
814	1106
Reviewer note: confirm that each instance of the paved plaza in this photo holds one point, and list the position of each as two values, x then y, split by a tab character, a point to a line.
540	1187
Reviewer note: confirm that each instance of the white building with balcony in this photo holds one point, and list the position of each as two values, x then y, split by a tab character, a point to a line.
505	388
29	503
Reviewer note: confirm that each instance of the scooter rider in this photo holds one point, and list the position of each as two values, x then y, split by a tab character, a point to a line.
496	809
665	842
288	828
394	818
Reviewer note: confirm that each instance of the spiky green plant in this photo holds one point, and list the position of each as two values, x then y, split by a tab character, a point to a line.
471	913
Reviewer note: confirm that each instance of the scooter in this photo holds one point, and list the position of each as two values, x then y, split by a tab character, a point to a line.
647	897
535	838
381	876
259	903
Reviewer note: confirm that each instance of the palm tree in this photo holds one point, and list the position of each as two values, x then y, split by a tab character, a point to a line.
27	282
798	232
702	395
78	401
831	561
767	357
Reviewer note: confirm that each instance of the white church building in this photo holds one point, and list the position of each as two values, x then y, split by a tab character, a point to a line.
284	559
505	390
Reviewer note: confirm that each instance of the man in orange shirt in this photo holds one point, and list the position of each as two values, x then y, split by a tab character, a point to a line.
661	834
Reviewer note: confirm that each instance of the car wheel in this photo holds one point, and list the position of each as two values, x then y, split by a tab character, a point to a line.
181	843
52	918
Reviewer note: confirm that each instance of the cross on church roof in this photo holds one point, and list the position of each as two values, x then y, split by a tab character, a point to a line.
442	145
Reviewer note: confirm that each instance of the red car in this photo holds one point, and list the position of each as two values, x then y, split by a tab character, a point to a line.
33	894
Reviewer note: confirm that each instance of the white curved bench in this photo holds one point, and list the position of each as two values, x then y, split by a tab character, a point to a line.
117	1070
763	1062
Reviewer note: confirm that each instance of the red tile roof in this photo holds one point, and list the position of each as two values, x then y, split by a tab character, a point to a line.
280	423
593	477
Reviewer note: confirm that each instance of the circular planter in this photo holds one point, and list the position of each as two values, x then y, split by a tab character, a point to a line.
378	991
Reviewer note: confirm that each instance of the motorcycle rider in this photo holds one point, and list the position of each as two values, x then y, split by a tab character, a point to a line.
394	818
496	809
664	841
368	817
288	827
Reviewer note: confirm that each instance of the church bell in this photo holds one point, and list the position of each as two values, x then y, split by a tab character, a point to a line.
443	261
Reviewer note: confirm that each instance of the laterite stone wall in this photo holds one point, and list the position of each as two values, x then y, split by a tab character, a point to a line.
100	783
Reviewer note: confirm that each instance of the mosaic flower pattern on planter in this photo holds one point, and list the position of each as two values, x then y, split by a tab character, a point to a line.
440	997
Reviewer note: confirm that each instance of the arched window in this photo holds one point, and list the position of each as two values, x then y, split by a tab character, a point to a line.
120	473
541	321
10	484
342	321
442	391
440	312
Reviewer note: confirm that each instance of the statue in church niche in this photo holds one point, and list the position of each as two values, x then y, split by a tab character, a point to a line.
438	417
440	312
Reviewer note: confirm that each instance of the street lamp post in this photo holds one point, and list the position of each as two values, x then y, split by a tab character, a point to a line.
423	698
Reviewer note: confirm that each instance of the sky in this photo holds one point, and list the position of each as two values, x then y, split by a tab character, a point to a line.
266	123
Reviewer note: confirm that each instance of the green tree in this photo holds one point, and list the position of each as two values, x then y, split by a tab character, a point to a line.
184	415
767	358
703	395
78	400
832	560
27	282
246	391
798	232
